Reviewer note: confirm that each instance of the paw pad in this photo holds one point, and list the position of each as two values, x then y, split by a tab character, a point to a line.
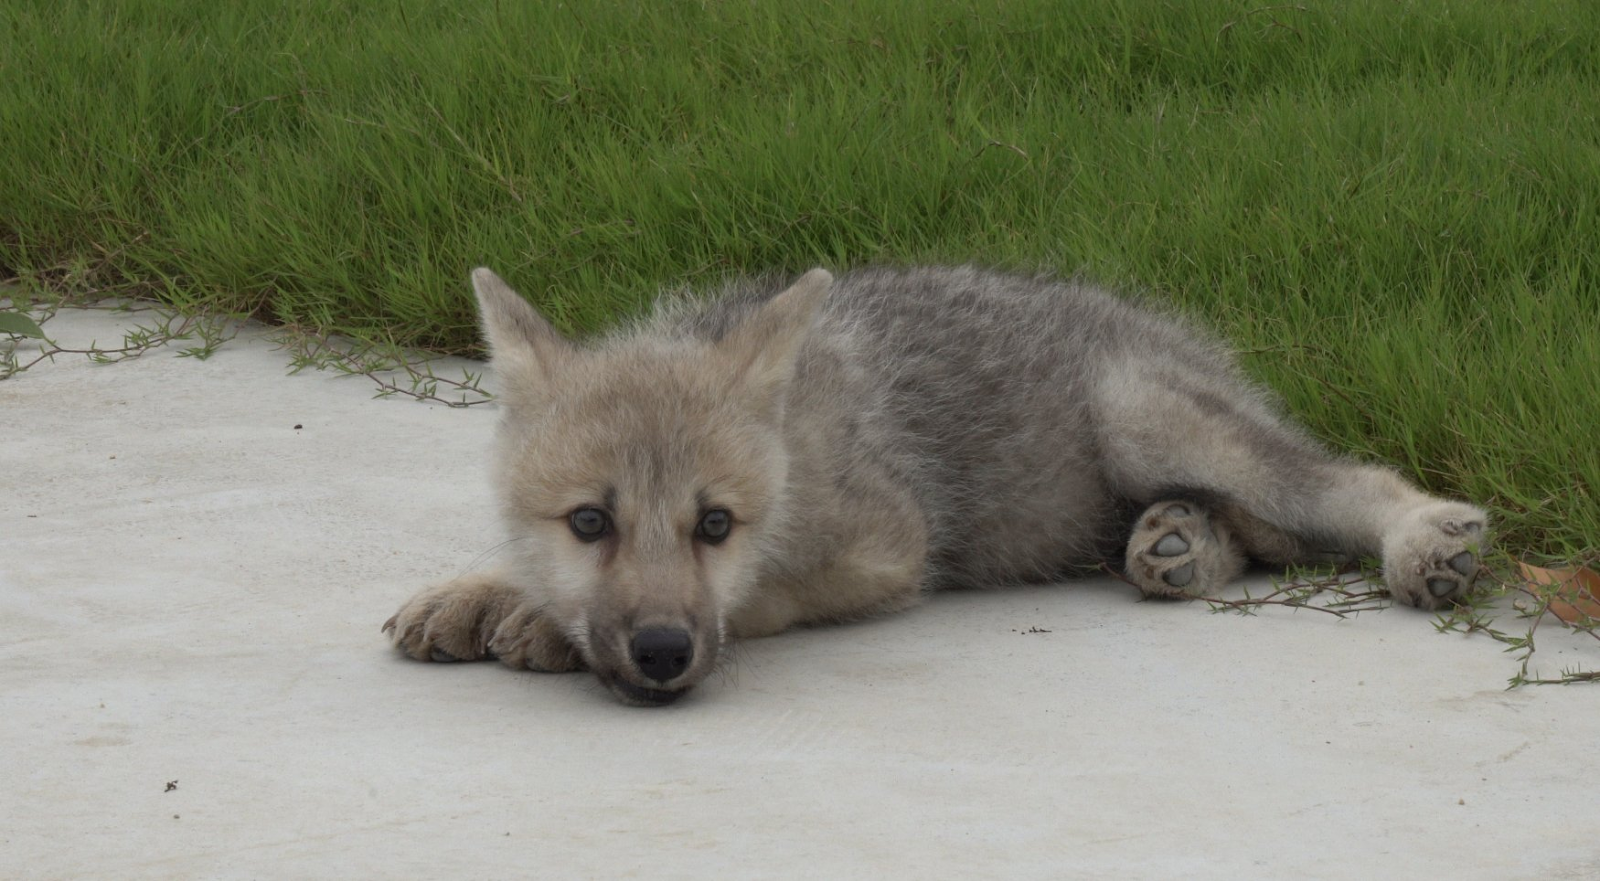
1178	550
1464	563
1440	587
1171	545
1180	576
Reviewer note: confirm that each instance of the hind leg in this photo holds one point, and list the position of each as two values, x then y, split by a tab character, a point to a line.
1430	547
1180	548
1166	424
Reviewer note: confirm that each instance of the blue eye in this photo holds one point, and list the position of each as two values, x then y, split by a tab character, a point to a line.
589	524
714	526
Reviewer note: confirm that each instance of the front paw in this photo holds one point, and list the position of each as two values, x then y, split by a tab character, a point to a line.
477	617
449	622
528	639
1432	558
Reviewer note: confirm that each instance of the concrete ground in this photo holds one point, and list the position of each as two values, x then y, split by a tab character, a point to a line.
195	559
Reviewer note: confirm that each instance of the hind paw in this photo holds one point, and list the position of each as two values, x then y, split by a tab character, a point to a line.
1432	557
1178	550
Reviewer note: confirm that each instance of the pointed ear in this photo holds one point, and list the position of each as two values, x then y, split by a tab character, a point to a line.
766	345
523	347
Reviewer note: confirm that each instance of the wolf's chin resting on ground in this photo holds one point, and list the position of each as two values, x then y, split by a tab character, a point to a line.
783	455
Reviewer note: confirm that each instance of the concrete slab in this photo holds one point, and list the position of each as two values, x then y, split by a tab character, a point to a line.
191	590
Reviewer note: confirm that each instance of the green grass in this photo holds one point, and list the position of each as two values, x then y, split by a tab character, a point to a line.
1391	205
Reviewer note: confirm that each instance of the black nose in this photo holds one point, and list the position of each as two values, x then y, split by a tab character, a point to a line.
662	653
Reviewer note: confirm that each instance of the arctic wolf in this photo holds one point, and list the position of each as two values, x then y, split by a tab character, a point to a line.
837	447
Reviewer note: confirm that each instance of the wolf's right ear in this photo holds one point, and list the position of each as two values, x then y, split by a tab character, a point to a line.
523	347
766	346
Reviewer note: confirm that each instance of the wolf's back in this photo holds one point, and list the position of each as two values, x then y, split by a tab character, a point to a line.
975	390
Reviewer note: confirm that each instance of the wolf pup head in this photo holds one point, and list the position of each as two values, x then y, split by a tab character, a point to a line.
641	476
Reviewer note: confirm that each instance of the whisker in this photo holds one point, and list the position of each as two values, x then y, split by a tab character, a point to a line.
493	550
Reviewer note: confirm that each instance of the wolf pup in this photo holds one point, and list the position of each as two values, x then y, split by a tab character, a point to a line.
834	449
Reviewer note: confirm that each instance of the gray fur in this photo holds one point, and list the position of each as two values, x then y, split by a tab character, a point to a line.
897	430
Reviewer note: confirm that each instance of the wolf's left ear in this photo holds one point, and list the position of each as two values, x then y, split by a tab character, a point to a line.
523	347
767	344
